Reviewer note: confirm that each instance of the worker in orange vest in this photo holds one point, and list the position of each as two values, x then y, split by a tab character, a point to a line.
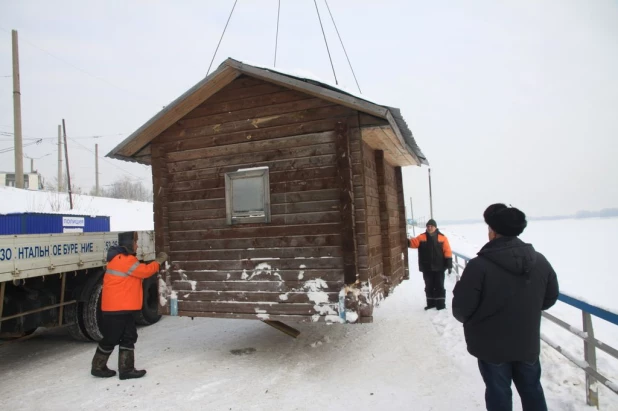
121	297
434	256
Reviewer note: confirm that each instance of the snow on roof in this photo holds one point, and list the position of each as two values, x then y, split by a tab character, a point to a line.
303	74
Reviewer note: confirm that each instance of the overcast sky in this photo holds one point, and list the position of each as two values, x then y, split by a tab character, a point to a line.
512	102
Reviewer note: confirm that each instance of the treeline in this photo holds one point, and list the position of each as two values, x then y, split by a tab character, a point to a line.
123	187
606	212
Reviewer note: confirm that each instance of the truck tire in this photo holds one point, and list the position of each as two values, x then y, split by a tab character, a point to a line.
73	316
150	308
92	313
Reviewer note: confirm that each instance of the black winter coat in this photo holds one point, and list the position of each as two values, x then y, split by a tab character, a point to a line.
499	300
434	252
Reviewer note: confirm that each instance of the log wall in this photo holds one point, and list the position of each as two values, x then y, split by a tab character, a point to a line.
291	268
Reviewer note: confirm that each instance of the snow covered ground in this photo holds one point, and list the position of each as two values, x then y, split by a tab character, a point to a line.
398	363
581	252
408	359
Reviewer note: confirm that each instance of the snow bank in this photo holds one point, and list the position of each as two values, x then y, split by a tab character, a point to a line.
125	215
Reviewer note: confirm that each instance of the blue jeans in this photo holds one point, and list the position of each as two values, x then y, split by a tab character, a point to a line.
527	379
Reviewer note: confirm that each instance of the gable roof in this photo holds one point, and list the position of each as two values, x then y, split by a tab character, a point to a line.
136	146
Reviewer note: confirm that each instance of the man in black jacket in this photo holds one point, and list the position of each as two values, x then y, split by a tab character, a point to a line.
499	300
434	256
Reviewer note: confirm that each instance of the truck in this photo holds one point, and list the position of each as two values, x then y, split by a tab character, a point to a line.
52	280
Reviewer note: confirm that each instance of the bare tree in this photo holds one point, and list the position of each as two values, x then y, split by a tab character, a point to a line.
51	184
125	187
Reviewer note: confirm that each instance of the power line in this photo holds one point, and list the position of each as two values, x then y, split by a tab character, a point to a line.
324	35
104	159
277	35
222	34
150	99
9	149
38	158
10	134
344	50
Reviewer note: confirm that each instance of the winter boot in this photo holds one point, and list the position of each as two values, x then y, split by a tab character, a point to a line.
440	304
99	365
126	365
431	303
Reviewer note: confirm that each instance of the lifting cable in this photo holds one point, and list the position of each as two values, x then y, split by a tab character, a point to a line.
327	49
222	34
277	35
344	50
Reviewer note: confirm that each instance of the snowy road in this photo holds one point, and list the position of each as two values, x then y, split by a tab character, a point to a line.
396	362
407	359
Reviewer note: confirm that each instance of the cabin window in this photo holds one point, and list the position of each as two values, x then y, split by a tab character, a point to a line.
247	196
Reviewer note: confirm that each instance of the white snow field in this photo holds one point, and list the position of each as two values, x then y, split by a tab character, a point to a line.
408	359
582	252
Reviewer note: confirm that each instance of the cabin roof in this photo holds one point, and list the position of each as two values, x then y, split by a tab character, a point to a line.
402	144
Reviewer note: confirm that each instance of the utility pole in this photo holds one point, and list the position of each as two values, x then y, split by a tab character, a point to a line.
430	197
19	159
412	216
66	155
59	158
96	168
32	165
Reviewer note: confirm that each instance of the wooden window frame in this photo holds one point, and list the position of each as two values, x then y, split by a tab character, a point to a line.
229	209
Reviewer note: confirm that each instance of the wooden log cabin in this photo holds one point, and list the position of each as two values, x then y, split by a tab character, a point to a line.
276	197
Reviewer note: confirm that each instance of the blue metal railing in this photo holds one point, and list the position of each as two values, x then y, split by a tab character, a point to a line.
587	334
589	308
567	299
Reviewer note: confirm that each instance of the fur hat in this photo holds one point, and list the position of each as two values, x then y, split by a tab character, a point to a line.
506	221
432	222
126	240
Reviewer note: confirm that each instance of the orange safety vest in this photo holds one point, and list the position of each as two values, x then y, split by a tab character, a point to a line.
446	247
122	283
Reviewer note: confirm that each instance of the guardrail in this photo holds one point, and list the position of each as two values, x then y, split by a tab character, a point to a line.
589	365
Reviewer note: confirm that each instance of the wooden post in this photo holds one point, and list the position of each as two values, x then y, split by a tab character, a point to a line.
96	169
284	328
403	224
387	269
159	189
59	158
19	154
66	155
590	356
346	205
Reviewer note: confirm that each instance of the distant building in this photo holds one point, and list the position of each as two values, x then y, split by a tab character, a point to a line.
32	181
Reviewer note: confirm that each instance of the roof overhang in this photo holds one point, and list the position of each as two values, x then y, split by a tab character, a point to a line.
384	138
136	147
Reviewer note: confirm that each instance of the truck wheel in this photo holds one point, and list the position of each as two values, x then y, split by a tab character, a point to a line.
73	316
92	313
150	308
